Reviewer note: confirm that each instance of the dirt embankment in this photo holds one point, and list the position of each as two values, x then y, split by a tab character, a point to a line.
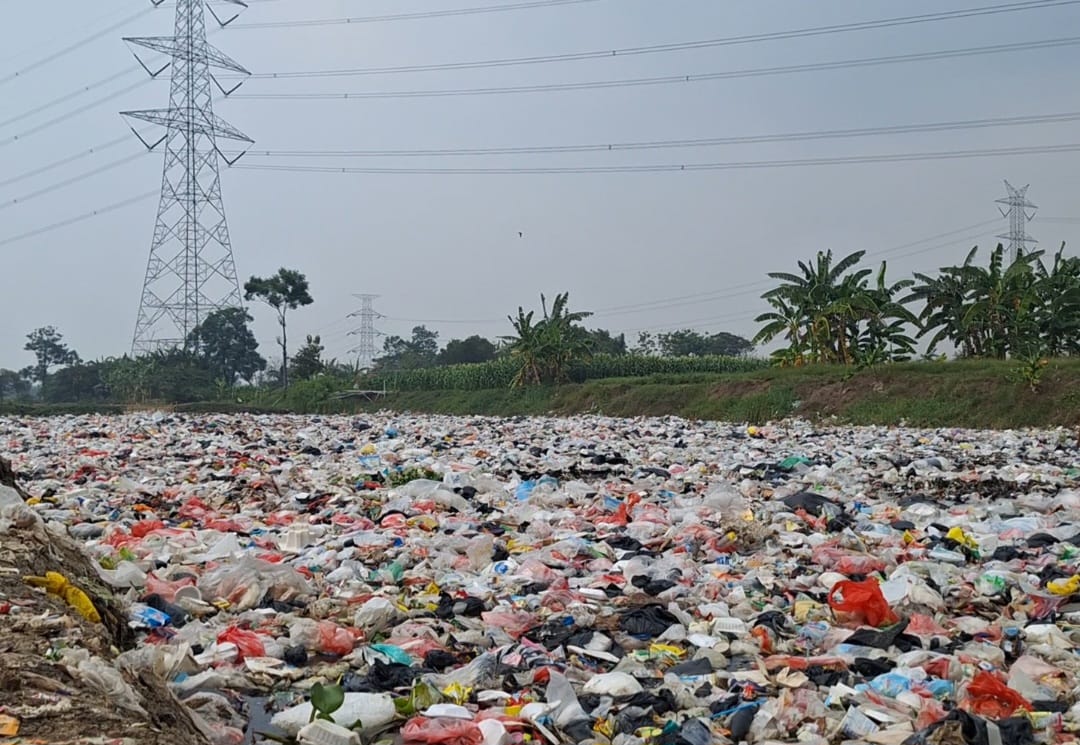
45	691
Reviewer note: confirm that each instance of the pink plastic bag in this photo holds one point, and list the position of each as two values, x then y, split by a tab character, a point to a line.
514	623
424	731
334	639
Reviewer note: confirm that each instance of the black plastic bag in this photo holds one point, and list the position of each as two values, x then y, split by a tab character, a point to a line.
649	622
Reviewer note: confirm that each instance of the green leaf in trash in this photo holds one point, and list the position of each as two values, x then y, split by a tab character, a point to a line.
325	700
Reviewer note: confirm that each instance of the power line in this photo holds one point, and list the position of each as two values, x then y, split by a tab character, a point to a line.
72	180
674	79
74	46
64	161
821	134
677	46
27	50
65	98
79	218
415	16
655	144
678	167
74	112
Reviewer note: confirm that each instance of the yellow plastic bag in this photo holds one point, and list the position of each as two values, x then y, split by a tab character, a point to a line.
57	584
964	539
1064	586
457	693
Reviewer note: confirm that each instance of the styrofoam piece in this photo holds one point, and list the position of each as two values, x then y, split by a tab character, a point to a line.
297	538
447	711
322	732
729	626
373	710
494	732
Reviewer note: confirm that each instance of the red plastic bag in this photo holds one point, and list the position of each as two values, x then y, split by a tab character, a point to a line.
145	527
248	643
863	602
987	696
424	731
334	639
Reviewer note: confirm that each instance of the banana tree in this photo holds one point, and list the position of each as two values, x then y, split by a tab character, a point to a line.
546	348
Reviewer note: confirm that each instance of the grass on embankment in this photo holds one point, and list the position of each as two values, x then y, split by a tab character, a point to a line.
969	393
981	393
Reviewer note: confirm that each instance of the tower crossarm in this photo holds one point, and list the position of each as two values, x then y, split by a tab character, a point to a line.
201	122
181	50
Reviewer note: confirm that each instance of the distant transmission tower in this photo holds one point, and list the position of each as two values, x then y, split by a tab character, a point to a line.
367	332
1017	213
190	272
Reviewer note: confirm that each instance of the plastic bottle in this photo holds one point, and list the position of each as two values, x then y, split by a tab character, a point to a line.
1012	644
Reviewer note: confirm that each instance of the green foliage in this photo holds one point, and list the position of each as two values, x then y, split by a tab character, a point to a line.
418	352
78	383
325	700
473	350
1023	310
13	386
48	347
690	343
1030	370
228	347
404	476
829	314
545	348
602	342
308	362
501	373
287	290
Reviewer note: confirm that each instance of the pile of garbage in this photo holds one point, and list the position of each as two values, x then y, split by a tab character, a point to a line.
476	581
61	680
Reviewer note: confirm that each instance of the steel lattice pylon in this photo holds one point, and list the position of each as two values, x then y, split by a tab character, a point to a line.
191	271
367	331
1017	213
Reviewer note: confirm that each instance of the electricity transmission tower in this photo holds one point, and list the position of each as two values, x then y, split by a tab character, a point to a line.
1017	213
367	332
191	271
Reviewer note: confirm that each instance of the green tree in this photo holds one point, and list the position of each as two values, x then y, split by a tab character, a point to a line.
828	314
422	350
474	349
308	361
48	347
1058	315
13	386
287	290
225	342
601	341
545	348
647	345
1025	309
690	343
78	383
180	376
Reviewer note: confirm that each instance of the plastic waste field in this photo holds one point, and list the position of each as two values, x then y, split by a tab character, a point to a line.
474	581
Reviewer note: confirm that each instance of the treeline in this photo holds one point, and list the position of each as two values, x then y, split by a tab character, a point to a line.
1026	309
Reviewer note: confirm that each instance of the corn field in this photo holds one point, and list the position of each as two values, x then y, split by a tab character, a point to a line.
500	373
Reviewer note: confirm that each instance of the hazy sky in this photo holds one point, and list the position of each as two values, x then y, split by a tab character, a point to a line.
444	247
